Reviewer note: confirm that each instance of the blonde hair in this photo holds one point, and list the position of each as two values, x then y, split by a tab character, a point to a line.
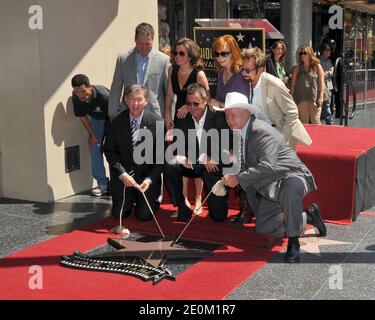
220	43
313	59
256	54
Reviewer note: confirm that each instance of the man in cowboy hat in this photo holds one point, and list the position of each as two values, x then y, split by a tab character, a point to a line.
273	177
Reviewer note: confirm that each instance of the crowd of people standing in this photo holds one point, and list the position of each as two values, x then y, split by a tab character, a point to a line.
256	100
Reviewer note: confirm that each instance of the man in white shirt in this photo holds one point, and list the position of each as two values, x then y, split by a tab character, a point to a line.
273	98
201	157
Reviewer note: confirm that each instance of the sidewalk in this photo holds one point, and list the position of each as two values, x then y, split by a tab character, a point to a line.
339	266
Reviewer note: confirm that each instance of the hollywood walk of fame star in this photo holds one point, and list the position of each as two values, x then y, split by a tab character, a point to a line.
240	37
155	253
311	244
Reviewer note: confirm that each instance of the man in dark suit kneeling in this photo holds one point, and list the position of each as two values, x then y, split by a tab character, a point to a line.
130	148
201	156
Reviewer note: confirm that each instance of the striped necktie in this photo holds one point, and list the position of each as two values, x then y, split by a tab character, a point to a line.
133	130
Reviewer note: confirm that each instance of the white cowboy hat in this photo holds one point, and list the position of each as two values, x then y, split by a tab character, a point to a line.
238	100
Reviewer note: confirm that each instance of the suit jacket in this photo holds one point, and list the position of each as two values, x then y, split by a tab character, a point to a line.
118	147
283	112
156	81
216	121
268	161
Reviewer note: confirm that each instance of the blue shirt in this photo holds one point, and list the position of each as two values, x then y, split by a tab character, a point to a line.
142	63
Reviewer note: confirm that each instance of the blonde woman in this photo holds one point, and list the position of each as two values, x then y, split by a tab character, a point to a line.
307	87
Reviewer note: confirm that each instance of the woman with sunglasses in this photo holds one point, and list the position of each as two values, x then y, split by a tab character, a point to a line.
307	87
275	62
186	69
228	65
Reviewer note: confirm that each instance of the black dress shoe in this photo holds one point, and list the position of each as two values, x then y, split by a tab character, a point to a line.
246	214
184	213
240	219
315	219
292	254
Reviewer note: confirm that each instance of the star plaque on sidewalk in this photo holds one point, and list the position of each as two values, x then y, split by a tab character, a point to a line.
145	260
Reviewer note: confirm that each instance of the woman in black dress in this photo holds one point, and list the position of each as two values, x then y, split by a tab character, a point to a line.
186	69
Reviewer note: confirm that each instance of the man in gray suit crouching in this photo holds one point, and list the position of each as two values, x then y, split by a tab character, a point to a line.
274	179
140	65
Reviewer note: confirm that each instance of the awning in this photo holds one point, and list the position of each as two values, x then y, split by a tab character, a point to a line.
270	30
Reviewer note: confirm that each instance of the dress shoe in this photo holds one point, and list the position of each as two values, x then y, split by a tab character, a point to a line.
240	219
315	219
157	206
184	213
292	254
246	214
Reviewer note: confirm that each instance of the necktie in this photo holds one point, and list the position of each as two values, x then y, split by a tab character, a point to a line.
240	157
251	94
133	130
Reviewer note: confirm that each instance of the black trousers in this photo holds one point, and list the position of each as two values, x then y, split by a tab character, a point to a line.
173	174
132	195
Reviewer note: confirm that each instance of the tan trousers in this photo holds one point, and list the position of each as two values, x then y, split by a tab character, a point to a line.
309	112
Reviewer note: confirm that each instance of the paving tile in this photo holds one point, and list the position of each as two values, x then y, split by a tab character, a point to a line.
312	278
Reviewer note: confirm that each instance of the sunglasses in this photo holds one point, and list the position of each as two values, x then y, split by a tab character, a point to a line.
302	53
195	104
180	53
222	53
248	71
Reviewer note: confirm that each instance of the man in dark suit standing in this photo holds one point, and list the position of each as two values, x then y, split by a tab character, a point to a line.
201	155
141	65
133	169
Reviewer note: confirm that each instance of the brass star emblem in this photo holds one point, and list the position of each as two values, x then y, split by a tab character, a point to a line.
310	243
154	253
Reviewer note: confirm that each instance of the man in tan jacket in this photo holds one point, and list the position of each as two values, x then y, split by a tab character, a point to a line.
277	109
273	97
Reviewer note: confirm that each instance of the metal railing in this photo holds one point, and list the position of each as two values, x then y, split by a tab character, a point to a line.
364	85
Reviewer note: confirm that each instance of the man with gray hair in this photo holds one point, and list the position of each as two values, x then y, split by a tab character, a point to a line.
141	65
272	176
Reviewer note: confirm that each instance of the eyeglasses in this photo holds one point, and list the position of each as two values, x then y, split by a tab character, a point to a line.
195	104
248	71
136	100
180	53
222	53
302	53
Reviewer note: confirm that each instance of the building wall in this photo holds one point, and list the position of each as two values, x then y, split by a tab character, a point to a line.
36	117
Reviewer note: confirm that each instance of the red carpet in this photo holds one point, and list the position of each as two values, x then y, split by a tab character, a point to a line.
340	159
212	278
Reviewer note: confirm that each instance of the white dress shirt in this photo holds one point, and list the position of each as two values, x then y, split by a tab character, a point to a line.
199	129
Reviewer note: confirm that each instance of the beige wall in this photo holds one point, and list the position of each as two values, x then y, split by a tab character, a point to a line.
36	116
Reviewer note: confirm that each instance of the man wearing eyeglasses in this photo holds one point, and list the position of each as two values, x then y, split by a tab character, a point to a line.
272	96
206	162
131	174
141	65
